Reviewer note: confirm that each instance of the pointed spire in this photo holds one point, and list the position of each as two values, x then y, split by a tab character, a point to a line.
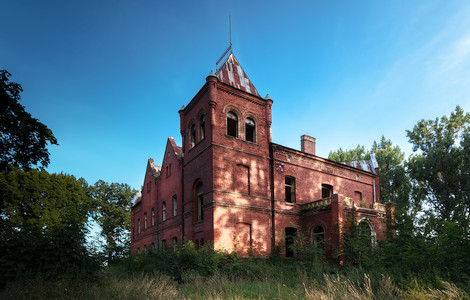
211	74
267	97
231	73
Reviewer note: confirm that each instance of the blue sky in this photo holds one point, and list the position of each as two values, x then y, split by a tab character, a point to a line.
108	77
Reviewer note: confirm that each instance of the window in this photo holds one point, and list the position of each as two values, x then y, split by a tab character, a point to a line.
192	142
290	238
241	179
366	233
200	202
326	191
138	225
149	187
250	130
153	217
357	198
175	242
202	127
163	243
202	242
163	211
145	220
290	189
318	237
232	124
175	206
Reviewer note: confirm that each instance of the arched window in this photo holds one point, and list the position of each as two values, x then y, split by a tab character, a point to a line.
145	220
232	124
153	217
200	202
367	232
163	211
250	130
202	127
175	206
318	237
192	142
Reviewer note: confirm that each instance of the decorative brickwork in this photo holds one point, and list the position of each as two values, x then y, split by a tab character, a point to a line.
237	189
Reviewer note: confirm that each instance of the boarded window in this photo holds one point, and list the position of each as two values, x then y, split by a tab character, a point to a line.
326	190
250	130
241	179
232	124
243	238
290	189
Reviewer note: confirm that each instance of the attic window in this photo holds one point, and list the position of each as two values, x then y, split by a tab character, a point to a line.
232	124
326	190
250	130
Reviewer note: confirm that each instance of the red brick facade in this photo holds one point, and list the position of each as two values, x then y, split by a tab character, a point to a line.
230	185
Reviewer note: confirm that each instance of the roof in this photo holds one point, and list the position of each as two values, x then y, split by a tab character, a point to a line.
178	150
366	165
232	73
156	170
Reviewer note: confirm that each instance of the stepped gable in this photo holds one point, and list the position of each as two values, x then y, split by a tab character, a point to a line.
232	73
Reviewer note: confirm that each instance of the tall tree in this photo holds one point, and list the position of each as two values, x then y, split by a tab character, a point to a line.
439	167
23	139
43	224
340	155
112	213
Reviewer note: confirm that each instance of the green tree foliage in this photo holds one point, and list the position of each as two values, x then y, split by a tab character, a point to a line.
43	224
439	168
23	139
111	210
340	155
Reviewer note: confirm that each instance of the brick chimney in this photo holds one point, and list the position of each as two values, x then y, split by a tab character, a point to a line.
307	144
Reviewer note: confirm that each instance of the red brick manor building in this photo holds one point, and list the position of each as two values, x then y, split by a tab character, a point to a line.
231	185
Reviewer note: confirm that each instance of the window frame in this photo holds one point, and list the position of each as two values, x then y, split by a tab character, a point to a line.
290	197
253	129
232	123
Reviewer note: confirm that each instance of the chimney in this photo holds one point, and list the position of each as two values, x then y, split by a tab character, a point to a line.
307	144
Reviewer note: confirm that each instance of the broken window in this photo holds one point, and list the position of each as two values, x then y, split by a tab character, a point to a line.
290	189
200	202
250	130
202	127
290	239
192	141
318	237
366	233
153	217
326	190
163	211
175	206
232	124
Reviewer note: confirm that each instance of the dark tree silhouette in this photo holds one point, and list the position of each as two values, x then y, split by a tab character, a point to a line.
23	139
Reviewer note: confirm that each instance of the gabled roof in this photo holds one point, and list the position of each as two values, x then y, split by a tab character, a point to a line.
231	73
176	149
156	170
